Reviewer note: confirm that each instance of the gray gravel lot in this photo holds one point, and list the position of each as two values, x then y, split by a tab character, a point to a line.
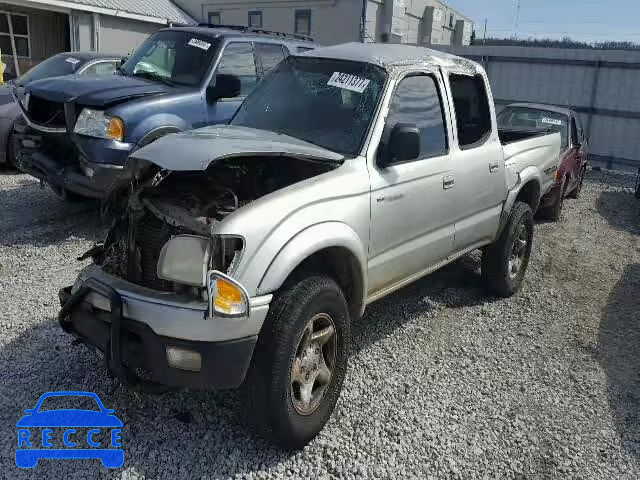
444	381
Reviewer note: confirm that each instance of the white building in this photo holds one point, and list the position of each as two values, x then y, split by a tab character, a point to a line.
337	21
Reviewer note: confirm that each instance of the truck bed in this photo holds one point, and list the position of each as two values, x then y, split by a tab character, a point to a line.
510	135
539	149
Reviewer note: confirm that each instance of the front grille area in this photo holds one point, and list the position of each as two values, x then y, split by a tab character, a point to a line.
46	113
150	236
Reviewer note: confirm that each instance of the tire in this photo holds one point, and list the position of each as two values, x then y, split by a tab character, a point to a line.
576	191
554	212
274	399
498	261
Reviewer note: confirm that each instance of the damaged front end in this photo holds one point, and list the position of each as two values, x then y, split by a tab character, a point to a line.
164	235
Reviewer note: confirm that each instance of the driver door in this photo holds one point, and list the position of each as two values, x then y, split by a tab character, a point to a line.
238	60
412	227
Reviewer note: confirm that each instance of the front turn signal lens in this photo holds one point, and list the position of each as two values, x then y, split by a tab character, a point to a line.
226	296
115	129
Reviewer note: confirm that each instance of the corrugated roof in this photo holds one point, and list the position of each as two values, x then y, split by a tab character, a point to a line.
161	9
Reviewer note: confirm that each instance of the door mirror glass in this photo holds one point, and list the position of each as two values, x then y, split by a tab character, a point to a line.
403	145
227	86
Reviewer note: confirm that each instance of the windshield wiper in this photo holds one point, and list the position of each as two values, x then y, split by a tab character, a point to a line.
154	76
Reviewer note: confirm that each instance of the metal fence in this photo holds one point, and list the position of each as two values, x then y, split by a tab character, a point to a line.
603	86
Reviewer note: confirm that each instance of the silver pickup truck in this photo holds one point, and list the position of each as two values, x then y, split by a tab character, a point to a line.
243	253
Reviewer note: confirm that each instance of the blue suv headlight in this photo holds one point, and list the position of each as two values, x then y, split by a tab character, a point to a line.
95	123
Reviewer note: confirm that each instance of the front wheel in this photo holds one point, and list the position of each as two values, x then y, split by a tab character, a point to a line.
504	262
300	361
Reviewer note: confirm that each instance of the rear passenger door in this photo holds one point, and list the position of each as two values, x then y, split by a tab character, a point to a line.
477	161
237	60
411	224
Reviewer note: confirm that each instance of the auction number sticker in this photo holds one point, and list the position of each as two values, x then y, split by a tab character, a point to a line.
348	82
551	121
72	61
194	42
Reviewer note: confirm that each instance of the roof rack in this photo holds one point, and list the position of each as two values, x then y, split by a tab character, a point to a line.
242	28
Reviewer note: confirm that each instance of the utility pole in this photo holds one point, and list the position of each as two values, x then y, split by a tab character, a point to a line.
517	19
484	40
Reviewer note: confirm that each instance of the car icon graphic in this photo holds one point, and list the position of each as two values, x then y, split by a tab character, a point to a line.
35	434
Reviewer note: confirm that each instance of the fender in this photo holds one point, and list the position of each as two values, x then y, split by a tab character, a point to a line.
529	174
156	133
309	241
155	123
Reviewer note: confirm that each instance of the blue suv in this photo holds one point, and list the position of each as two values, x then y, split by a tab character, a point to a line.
78	131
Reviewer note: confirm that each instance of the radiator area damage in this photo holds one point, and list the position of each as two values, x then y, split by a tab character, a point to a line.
163	204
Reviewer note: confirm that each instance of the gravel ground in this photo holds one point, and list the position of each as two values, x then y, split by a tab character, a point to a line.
444	381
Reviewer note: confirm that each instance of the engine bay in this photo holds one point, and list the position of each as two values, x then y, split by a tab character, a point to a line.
163	204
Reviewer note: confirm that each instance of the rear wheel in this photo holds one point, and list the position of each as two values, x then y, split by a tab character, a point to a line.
504	262
300	361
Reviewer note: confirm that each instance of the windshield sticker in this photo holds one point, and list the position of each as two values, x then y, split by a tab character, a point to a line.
348	82
72	61
551	121
194	42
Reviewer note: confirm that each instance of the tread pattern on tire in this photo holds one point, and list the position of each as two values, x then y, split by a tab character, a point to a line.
495	257
266	364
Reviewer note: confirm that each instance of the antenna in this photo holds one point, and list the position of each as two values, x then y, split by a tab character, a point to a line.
517	18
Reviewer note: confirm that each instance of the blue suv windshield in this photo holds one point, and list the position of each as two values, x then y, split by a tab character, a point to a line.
329	103
173	57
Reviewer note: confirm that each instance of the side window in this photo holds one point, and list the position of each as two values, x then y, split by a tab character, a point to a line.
238	61
416	100
473	116
270	55
102	68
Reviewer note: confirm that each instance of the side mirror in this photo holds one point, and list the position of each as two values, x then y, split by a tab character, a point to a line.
124	59
227	86
403	145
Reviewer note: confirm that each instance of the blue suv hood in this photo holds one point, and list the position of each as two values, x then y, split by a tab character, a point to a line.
96	90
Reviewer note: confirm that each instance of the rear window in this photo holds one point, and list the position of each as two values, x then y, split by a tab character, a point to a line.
473	116
525	118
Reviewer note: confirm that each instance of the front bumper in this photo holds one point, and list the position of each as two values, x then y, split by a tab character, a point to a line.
133	326
75	173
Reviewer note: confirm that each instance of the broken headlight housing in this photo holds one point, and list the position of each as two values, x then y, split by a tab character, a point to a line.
185	259
95	123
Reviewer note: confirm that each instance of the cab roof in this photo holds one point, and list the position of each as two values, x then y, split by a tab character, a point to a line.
389	55
215	31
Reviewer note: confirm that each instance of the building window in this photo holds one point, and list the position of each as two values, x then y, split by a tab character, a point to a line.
255	19
20	26
451	20
214	18
303	22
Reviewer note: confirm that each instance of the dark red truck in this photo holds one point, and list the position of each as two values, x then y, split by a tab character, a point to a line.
574	154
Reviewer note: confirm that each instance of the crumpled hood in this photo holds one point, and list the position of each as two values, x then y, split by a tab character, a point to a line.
96	90
197	149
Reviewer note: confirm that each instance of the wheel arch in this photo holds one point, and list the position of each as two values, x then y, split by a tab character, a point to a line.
333	248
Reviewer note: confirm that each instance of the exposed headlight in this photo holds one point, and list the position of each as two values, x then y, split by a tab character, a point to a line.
95	123
185	259
227	298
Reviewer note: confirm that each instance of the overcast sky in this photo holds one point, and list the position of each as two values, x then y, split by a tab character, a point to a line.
587	20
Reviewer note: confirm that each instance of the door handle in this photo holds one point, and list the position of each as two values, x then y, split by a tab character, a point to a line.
494	166
448	181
